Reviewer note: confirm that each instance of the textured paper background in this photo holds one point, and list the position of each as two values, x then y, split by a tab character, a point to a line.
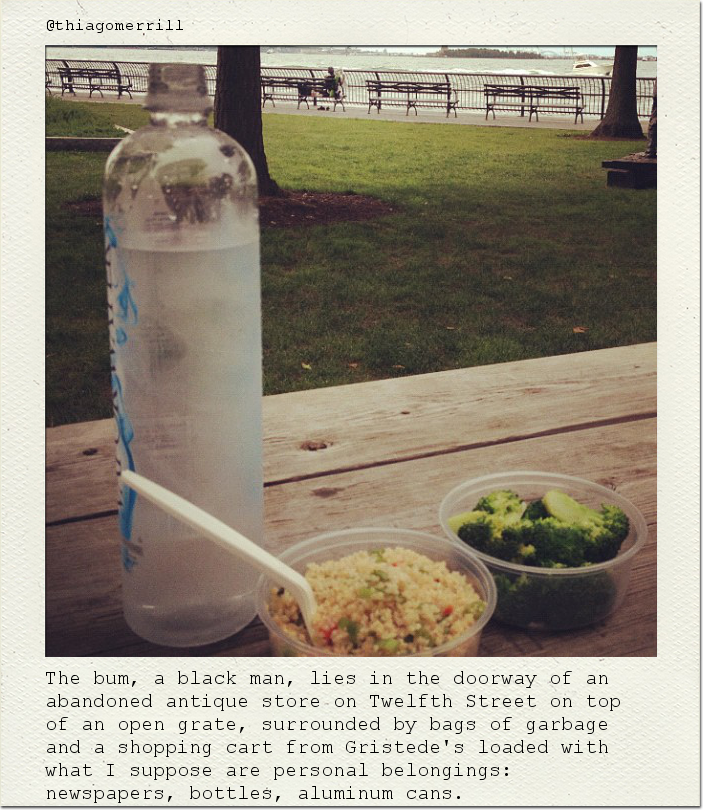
656	759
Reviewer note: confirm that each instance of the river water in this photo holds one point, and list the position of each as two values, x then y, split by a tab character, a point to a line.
344	61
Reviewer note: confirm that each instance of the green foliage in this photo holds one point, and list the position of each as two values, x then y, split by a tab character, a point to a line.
501	242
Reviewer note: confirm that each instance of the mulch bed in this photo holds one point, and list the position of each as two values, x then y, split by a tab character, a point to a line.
291	209
296	208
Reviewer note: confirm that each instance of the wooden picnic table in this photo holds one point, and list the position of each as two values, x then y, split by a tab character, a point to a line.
383	453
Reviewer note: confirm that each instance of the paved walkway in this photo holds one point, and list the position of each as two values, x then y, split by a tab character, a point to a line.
465	118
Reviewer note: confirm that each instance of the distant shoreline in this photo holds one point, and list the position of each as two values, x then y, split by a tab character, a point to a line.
461	53
314	58
484	53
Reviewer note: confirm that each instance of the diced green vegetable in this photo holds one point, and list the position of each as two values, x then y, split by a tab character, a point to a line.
475	608
565	508
351	627
388	644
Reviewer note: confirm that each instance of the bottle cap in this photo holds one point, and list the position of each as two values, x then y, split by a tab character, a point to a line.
180	88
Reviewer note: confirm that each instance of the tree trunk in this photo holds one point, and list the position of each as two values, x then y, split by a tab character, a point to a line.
620	120
651	150
238	105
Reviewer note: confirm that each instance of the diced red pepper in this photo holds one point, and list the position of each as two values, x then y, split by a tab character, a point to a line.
448	610
327	633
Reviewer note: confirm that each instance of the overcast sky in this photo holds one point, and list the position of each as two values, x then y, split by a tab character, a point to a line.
607	50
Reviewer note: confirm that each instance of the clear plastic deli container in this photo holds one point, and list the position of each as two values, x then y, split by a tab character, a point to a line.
552	598
334	545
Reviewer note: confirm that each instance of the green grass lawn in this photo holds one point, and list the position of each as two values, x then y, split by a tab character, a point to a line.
87	120
504	241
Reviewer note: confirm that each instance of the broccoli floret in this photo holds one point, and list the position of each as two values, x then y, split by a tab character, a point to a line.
504	545
549	541
501	502
552	532
617	526
515	543
488	533
558	543
615	520
517	601
556	603
536	510
455	522
476	530
555	530
483	528
605	530
604	543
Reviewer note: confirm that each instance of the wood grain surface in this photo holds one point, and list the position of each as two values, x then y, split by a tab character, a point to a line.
311	433
392	450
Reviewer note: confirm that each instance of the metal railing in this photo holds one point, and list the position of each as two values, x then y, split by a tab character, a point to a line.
138	72
468	86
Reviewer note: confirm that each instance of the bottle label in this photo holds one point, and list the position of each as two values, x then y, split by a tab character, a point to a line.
123	313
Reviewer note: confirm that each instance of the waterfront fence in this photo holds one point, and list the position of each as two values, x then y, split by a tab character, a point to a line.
468	86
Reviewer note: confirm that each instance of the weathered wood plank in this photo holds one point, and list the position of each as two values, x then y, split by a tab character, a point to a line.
408	494
427	414
80	469
83	603
372	423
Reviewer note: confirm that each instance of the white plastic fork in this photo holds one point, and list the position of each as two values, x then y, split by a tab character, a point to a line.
228	538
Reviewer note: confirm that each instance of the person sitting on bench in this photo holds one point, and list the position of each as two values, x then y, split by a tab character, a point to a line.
332	87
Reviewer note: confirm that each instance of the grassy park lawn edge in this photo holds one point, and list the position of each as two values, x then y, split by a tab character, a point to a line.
504	244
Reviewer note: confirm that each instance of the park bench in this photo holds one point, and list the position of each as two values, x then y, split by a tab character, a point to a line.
94	79
286	88
534	99
412	94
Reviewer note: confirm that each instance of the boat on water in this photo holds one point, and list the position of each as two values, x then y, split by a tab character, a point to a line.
588	66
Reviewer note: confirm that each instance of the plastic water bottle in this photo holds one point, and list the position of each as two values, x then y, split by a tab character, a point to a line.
182	254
